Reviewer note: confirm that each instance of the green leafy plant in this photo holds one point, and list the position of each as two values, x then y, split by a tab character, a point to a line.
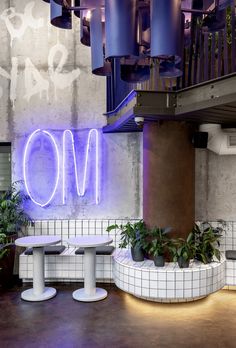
12	214
207	240
132	234
183	248
158	241
3	249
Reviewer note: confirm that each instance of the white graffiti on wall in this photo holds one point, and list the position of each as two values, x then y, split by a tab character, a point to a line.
35	82
9	16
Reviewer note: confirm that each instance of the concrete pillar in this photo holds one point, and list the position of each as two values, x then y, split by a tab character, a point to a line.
168	176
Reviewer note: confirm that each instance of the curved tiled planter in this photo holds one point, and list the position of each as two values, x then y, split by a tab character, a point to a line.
169	283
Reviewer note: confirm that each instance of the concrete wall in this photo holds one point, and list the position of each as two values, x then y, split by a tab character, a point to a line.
46	83
215	186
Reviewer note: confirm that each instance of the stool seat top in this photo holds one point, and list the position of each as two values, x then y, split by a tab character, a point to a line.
37	241
91	241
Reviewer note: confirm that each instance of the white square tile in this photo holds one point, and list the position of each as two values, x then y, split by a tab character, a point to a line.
187	293
170	276
170	285
179	285
153	284
153	275
202	282
145	275
162	276
196	292
179	293
23	267
179	276
162	293
161	285
131	288
187	275
132	280
230	272
153	293
131	272
187	284
196	284
170	293
145	283
138	282
145	292
138	291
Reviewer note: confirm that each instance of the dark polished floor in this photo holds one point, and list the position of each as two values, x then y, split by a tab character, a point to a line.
119	321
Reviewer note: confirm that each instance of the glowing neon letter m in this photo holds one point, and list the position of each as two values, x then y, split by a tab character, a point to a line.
81	180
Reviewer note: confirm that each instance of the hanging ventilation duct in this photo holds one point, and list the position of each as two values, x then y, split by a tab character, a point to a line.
121	28
99	65
165	28
60	17
219	141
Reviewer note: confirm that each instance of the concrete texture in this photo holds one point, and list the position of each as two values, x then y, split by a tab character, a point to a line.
215	186
168	176
120	321
46	83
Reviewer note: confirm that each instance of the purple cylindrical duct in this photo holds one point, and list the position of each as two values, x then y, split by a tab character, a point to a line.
60	17
121	28
99	65
165	28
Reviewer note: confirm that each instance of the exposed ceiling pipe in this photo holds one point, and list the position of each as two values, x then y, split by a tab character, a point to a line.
219	141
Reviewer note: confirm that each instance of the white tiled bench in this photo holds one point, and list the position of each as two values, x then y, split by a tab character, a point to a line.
230	273
66	267
169	283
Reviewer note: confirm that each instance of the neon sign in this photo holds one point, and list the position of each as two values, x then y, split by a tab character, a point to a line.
81	191
80	180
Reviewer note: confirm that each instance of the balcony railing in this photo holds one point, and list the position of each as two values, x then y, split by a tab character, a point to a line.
206	56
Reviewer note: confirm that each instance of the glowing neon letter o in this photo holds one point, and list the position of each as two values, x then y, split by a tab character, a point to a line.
27	146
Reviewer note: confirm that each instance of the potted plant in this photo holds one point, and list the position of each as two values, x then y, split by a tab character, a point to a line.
183	250
133	235
207	240
12	214
157	244
3	248
12	221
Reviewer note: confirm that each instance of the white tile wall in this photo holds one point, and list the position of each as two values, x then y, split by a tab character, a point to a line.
68	266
